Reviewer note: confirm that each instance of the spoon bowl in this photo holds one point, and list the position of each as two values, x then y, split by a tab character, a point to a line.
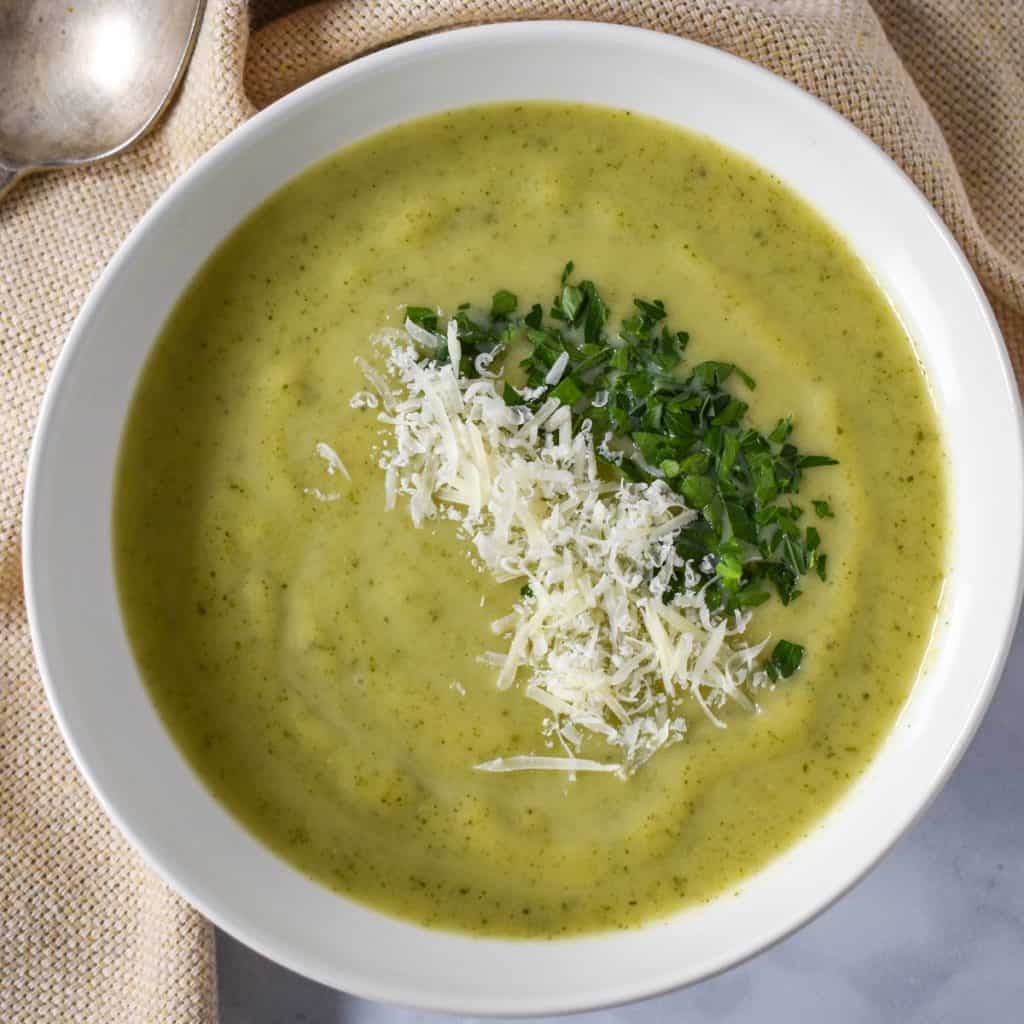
81	82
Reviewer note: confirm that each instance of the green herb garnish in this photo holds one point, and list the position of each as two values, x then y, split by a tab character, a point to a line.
502	305
784	660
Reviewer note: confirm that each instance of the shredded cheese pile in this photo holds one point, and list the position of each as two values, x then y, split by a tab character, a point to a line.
595	642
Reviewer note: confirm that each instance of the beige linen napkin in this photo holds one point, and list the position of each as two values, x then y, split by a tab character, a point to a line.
87	934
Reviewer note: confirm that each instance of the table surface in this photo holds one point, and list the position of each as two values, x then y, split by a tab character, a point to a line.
934	934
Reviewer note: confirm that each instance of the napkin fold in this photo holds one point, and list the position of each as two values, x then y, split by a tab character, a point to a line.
87	933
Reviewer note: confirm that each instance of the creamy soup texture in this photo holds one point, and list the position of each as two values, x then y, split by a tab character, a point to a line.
316	661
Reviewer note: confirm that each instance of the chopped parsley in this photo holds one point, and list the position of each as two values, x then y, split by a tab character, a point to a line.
785	660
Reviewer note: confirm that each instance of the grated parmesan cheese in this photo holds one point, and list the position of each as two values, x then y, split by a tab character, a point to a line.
530	762
596	644
333	460
334	465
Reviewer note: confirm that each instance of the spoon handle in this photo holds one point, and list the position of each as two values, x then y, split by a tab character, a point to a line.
8	176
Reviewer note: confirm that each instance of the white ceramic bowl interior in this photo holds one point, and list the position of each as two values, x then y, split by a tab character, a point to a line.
94	687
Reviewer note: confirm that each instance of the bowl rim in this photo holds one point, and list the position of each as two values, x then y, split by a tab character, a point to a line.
34	544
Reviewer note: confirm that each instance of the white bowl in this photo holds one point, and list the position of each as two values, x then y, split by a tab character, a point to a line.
94	687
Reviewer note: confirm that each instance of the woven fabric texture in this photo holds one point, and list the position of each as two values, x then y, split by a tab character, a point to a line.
87	933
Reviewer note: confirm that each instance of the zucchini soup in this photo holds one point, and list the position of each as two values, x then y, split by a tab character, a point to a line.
530	520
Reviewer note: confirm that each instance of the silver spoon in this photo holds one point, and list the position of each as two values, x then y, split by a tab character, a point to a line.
81	80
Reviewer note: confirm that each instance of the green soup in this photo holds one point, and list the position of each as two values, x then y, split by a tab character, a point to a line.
317	661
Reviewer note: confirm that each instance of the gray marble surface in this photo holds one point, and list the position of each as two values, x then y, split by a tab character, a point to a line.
934	934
